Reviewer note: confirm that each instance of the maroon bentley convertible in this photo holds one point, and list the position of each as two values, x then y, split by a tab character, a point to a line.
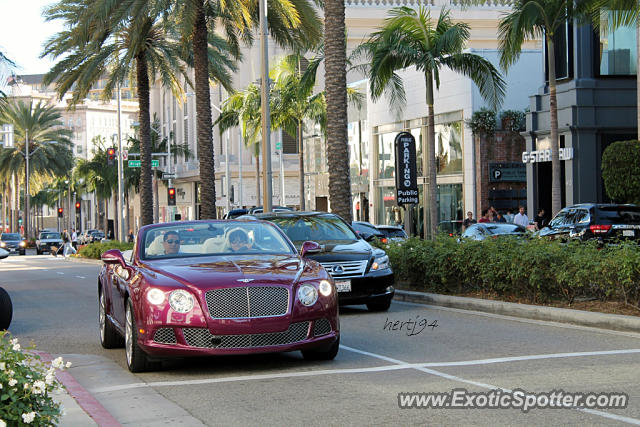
215	287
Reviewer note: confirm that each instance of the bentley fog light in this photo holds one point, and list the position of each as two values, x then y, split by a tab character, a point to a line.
308	295
181	301
380	263
155	296
325	288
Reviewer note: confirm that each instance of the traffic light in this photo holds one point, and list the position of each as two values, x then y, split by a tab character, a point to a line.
60	212
78	205
171	196
111	156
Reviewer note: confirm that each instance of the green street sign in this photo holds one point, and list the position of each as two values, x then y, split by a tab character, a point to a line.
278	145
136	163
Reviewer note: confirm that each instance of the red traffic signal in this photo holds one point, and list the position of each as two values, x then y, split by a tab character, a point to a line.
171	196
60	211
111	156
78	207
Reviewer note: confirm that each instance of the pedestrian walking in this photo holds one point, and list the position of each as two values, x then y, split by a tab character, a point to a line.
130	236
74	239
67	247
521	218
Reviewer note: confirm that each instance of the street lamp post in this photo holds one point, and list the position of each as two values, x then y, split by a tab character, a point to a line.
266	123
121	233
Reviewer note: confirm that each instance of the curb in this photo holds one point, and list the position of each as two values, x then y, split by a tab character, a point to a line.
616	322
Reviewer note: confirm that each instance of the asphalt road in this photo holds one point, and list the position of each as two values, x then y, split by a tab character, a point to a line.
55	307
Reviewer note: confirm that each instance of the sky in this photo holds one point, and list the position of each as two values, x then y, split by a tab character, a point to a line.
23	31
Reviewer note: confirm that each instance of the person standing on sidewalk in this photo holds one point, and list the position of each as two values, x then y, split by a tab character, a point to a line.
468	221
521	218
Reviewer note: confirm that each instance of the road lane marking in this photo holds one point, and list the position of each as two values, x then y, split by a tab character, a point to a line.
397	365
524	319
59	272
81	277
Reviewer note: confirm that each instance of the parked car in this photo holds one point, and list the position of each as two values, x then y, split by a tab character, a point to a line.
368	231
235	213
393	232
605	222
485	230
48	241
13	242
91	236
260	209
6	310
244	291
362	273
452	227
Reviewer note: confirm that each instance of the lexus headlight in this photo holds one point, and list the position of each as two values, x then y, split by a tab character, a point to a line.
3	244
308	295
325	288
23	244
181	301
380	263
155	296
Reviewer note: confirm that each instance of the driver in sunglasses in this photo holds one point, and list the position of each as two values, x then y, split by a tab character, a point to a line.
171	243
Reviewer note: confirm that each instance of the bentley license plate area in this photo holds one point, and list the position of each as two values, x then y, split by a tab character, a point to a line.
343	285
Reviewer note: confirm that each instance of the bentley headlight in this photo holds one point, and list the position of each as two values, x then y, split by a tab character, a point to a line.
308	295
155	296
325	288
380	263
181	301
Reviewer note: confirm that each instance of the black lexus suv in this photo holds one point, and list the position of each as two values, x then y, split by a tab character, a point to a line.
362	273
605	222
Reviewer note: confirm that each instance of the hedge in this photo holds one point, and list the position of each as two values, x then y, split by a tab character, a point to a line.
537	270
94	250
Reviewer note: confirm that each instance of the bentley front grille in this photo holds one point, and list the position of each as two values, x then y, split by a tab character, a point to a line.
201	337
345	270
165	336
245	302
321	327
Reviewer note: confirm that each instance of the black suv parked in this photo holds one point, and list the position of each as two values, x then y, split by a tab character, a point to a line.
362	273
604	222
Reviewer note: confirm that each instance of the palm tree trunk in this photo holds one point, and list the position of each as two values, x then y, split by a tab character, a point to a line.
431	155
336	93
301	166
146	190
203	115
556	192
128	216
4	206
116	219
258	202
105	218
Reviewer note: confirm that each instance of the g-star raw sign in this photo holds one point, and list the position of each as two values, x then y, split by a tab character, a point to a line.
406	179
545	155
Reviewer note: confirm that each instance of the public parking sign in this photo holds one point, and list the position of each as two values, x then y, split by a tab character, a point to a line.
406	171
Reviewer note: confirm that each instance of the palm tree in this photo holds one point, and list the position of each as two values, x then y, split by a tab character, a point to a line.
243	108
291	23
5	66
293	103
35	125
134	41
531	19
336	95
409	38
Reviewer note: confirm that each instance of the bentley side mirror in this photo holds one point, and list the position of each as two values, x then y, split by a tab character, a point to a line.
310	247
113	256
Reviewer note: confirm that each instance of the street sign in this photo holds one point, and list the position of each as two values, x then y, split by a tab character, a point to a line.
136	163
167	175
125	155
279	145
406	175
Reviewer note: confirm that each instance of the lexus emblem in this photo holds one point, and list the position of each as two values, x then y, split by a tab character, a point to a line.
337	269
245	280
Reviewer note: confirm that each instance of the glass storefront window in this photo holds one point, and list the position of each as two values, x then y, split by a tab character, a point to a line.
618	53
449	148
450	207
386	157
389	212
